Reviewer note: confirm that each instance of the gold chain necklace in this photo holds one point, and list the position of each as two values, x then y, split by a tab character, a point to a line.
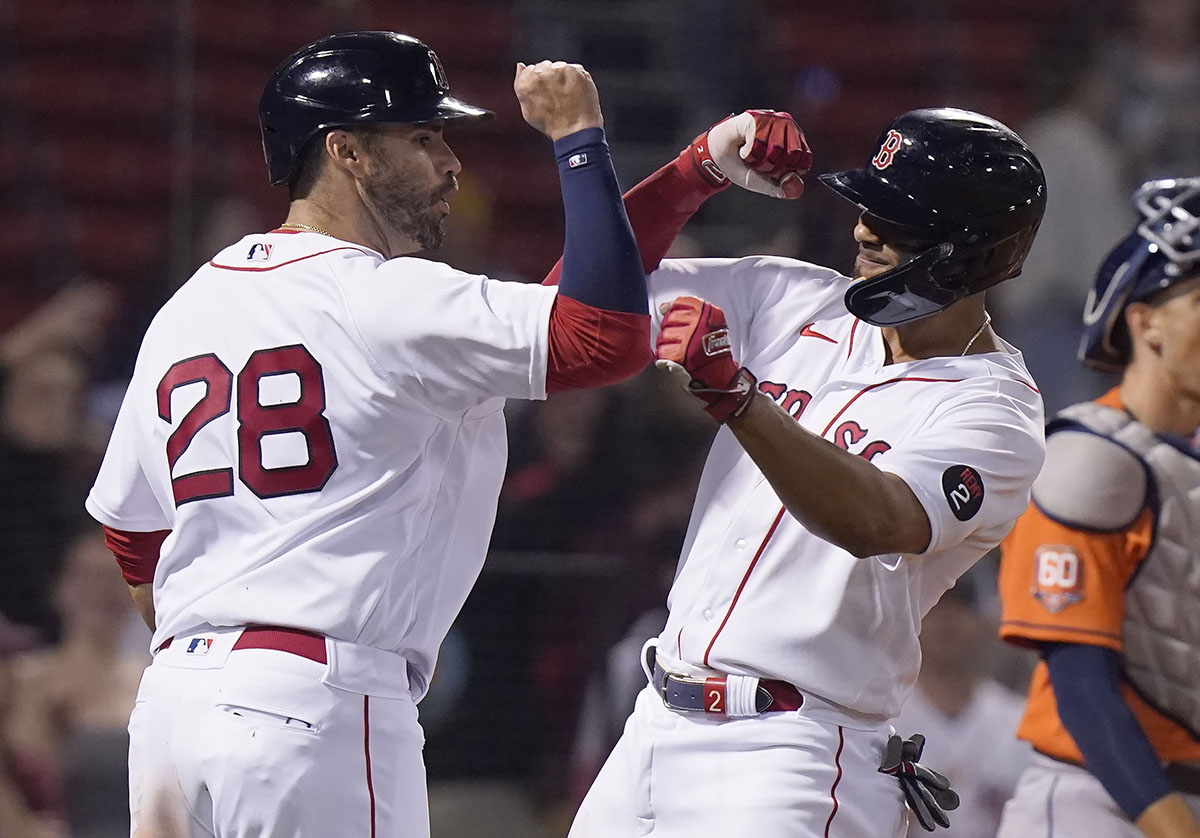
987	319
312	229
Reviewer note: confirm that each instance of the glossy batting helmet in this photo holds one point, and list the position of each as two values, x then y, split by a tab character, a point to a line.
1163	250
353	78
963	183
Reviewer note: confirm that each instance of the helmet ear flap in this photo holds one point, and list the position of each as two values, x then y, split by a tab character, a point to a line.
960	178
1106	343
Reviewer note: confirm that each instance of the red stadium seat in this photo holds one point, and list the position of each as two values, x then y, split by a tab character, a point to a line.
129	172
86	24
119	243
269	29
476	35
79	91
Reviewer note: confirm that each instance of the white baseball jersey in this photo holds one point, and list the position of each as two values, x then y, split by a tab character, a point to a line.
755	592
321	430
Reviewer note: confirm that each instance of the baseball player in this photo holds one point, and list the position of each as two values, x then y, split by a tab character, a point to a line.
877	439
303	475
1100	573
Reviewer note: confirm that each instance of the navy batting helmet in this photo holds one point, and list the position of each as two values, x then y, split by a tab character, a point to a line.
959	180
1163	250
353	78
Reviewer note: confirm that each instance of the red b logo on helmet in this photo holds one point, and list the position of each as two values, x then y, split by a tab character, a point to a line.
439	72
891	144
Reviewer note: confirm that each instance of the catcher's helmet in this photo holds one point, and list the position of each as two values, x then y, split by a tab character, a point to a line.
352	78
1163	250
963	182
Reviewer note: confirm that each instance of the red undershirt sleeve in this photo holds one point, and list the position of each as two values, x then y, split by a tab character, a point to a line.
136	552
591	347
658	207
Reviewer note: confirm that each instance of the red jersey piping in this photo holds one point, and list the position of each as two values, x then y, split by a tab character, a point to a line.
837	760
283	264
782	509
745	578
367	753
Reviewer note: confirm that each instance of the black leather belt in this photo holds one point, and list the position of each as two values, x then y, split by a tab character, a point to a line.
681	692
1184	777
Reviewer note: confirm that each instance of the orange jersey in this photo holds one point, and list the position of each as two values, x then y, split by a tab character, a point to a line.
1065	585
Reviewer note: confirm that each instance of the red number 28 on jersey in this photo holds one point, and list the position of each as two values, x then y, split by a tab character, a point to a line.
255	421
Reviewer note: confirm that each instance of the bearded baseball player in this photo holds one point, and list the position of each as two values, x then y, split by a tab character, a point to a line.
302	480
1102	573
877	439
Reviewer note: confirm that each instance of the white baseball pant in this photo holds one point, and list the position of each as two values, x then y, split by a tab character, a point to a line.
1056	799
796	774
255	743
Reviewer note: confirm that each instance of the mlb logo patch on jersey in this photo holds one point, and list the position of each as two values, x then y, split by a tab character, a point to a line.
199	646
1058	577
259	252
577	160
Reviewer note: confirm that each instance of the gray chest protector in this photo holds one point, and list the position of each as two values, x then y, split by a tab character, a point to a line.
1162	603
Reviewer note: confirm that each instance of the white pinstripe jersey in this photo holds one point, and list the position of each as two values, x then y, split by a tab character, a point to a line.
755	592
321	430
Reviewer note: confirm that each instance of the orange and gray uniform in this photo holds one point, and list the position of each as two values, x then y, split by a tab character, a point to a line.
1107	555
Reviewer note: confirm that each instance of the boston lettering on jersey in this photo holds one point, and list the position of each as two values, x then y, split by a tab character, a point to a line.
846	434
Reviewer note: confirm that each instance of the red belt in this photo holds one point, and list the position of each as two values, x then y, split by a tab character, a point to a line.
306	644
680	692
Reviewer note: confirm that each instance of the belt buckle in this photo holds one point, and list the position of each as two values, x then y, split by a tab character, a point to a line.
665	690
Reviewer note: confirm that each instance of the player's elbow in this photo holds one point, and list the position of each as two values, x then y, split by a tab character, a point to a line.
864	545
882	534
619	349
601	370
625	361
894	522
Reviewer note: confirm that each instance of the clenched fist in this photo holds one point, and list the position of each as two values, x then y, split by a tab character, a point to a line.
763	151
557	98
694	346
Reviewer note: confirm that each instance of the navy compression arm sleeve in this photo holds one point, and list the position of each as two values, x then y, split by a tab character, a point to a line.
601	264
1112	742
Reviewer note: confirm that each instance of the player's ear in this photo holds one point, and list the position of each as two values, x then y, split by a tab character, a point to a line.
346	150
1144	323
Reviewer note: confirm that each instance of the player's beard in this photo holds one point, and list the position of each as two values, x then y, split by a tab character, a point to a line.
408	210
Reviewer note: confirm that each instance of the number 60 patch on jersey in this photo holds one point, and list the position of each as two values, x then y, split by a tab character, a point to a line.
1058	577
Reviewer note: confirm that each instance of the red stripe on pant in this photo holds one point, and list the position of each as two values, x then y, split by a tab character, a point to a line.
837	760
367	752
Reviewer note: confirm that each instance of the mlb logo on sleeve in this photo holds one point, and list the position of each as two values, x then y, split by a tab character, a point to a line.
577	160
1058	577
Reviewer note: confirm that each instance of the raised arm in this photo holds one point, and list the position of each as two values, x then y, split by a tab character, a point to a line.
599	326
763	151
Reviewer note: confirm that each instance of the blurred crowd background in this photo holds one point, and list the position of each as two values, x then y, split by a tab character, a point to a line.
129	154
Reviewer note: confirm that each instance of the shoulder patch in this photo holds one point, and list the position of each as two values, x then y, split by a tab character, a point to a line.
963	488
1090	482
1058	577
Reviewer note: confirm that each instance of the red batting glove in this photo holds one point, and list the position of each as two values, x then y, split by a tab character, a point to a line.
779	146
694	344
763	151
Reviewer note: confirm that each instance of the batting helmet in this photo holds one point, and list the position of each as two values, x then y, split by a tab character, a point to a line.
1163	250
959	180
353	78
